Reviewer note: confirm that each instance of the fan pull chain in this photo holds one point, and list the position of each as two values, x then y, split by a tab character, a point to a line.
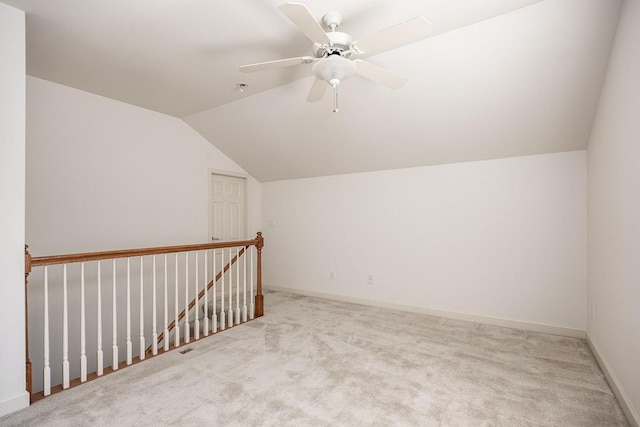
334	83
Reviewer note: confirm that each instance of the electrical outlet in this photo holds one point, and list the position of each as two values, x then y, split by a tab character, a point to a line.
370	279
332	275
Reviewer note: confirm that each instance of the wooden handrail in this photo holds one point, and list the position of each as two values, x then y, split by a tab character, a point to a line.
30	262
127	253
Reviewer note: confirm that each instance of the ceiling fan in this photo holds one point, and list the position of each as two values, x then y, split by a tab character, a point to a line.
332	50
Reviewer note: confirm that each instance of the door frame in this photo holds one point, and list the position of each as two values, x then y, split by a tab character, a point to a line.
247	199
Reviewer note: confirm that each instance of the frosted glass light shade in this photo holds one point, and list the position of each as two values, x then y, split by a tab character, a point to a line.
334	67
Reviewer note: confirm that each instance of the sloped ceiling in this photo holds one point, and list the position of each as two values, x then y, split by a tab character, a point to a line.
497	78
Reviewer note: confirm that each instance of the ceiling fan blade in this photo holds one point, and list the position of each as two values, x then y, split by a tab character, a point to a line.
317	90
280	63
379	75
394	36
304	20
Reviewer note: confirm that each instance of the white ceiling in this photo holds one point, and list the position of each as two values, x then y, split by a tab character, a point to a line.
497	78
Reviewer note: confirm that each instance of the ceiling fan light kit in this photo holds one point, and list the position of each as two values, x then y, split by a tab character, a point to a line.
332	50
333	70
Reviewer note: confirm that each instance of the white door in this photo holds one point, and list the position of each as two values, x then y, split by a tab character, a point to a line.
228	222
228	212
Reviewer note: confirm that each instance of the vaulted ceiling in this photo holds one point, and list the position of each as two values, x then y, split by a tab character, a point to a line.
496	78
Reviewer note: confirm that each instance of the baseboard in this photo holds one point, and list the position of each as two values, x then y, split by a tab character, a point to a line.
623	399
14	404
507	323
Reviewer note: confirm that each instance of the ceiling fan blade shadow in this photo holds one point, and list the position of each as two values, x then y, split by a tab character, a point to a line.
279	63
397	35
317	90
302	18
379	75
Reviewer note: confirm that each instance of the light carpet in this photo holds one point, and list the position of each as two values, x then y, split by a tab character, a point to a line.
315	362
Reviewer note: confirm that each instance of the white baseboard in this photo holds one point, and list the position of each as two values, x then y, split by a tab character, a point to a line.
623	399
15	403
507	323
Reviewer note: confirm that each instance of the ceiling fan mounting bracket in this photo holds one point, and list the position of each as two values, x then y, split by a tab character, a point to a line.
332	20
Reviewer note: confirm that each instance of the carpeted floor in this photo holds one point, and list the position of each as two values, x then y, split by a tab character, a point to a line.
314	362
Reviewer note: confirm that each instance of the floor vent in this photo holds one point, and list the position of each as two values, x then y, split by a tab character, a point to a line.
186	350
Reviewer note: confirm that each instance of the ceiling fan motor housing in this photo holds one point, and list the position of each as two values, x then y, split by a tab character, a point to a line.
341	44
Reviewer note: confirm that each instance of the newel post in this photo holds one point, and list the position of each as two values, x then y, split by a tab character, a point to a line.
259	300
27	270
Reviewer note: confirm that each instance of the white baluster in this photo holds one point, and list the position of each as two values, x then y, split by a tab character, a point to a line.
186	299
206	295
65	331
237	286
114	347
47	368
154	312
252	309
244	285
176	328
83	334
142	340
196	322
99	353
165	333
222	314
129	344
230	319
214	315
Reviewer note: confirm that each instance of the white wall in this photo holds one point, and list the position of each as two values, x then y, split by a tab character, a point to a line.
12	182
500	239
102	174
614	215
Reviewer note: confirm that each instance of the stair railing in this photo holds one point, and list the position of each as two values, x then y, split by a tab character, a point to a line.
78	281
202	296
